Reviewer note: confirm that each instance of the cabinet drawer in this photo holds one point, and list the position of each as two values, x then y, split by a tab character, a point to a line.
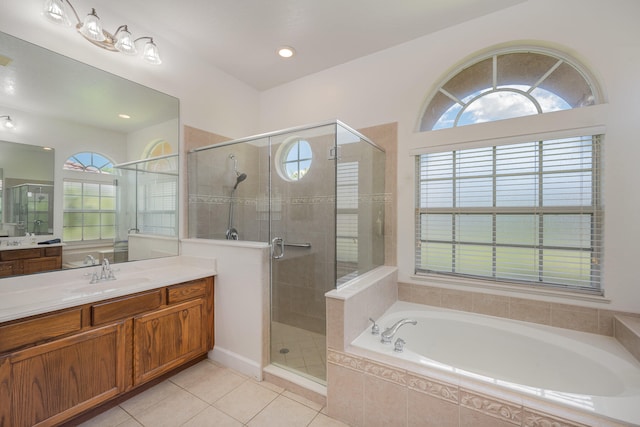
10	255
187	290
55	251
9	268
39	329
125	307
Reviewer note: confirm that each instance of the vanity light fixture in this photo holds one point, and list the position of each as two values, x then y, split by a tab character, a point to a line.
91	29
7	123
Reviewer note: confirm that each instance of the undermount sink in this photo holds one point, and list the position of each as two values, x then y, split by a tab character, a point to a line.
110	285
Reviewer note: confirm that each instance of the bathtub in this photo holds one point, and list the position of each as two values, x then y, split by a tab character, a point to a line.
588	372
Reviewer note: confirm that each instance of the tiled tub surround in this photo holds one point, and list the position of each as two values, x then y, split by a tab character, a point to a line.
366	388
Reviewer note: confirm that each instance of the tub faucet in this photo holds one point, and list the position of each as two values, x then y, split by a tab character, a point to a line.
388	333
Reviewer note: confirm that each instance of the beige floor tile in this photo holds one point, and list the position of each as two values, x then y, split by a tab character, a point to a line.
321	420
212	417
311	404
141	402
130	423
283	412
173	411
111	418
207	381
245	401
270	386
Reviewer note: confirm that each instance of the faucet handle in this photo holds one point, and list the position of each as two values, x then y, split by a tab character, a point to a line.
398	346
375	329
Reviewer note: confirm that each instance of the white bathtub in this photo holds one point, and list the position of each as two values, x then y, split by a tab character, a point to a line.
584	371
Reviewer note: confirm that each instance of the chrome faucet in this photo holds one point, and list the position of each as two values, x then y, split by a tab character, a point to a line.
107	272
89	259
388	333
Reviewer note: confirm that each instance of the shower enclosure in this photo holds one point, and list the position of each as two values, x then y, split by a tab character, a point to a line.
316	194
147	204
31	208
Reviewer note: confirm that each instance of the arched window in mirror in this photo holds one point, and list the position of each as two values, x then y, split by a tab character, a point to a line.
508	84
89	213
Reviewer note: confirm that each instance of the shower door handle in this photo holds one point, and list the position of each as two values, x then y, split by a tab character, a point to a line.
277	242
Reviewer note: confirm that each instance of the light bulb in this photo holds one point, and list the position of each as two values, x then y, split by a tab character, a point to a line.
53	10
125	43
92	28
150	53
8	123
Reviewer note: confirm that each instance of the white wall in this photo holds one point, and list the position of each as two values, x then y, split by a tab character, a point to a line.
392	85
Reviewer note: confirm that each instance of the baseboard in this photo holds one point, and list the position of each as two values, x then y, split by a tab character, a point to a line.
237	362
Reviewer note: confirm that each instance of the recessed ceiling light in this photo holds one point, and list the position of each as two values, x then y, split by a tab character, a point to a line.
124	116
286	52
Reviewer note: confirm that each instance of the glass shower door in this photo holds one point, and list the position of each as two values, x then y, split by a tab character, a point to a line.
302	233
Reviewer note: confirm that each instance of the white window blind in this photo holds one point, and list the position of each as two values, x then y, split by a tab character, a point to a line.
347	212
527	213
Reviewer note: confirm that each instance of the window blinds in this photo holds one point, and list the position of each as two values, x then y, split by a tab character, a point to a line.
526	212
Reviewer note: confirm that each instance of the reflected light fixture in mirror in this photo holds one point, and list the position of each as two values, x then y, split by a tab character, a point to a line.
7	123
91	29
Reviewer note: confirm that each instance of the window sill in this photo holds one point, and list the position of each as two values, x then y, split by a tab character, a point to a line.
509	288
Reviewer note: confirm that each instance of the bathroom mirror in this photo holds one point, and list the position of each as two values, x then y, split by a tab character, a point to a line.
71	109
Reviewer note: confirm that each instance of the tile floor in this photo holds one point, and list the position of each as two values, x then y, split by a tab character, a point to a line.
301	350
208	394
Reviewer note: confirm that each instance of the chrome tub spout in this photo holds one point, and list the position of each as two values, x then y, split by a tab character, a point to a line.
388	334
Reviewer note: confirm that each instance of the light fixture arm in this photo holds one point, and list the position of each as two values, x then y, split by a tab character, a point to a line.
73	9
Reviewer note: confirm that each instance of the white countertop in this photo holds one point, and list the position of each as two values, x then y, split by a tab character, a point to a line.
5	247
22	296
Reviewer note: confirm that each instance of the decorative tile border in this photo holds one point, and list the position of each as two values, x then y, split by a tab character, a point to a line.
345	360
491	406
443	391
506	411
385	372
536	419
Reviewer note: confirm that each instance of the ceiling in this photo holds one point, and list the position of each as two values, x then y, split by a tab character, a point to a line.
241	36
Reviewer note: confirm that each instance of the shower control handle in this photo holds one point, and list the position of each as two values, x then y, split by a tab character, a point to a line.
277	242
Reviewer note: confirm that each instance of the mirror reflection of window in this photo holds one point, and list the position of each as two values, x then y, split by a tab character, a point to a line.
89	198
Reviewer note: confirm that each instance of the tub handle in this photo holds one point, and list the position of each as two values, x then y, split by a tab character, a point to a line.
398	346
375	329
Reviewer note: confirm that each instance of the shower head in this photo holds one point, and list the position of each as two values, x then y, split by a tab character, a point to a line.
239	178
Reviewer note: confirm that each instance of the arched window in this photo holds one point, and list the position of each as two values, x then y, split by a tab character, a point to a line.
89	162
89	198
511	209
508	84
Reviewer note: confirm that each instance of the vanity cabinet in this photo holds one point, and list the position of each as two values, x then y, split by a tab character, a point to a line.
30	260
58	365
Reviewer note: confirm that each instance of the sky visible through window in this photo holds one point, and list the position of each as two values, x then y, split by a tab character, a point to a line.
504	102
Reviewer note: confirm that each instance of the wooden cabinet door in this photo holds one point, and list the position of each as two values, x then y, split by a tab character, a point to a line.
51	382
37	265
167	338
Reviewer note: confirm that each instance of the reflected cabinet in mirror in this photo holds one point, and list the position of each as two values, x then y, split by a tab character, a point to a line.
89	167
